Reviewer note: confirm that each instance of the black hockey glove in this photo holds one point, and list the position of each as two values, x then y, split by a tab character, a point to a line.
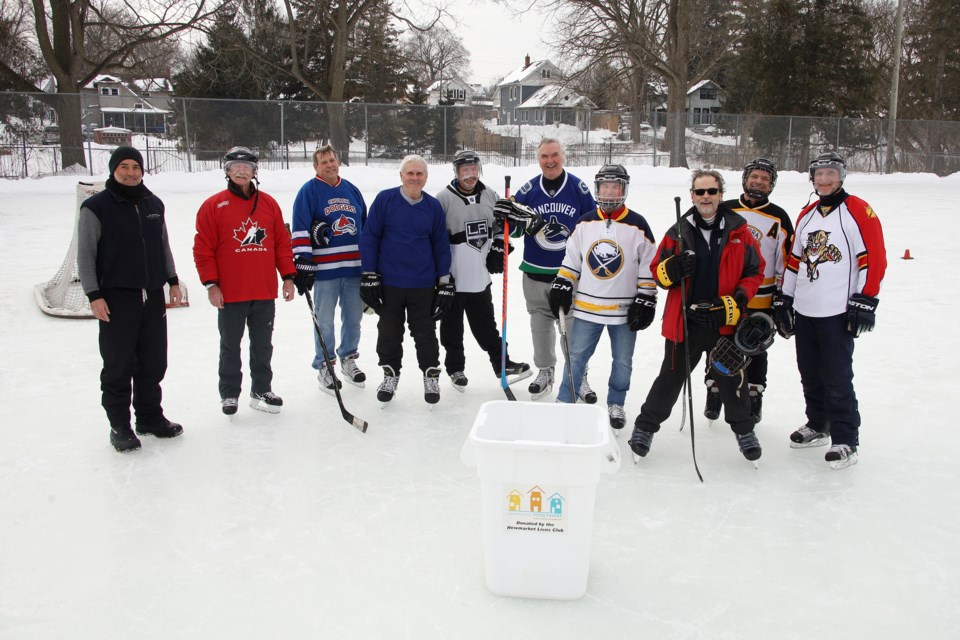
321	234
861	314
561	296
783	314
676	267
725	310
443	298
495	256
371	290
519	215
306	271
641	312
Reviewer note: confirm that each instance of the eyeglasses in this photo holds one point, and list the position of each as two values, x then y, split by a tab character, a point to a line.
711	191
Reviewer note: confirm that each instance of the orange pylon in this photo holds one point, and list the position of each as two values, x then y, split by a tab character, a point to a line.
906	255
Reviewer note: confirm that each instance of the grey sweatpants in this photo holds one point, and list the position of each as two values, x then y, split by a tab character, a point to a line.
542	323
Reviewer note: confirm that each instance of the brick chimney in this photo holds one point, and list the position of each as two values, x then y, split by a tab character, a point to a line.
526	61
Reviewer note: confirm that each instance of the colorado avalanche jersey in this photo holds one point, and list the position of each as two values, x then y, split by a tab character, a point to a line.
342	207
610	256
835	254
543	252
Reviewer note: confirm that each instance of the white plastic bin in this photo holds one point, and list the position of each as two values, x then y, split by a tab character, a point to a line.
539	464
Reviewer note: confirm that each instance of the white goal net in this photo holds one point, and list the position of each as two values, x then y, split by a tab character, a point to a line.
62	295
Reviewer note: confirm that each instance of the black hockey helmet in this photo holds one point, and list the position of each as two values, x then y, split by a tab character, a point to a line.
829	160
239	154
755	334
763	165
465	156
612	173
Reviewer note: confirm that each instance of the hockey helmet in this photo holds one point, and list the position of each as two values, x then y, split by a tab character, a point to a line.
761	164
755	334
239	154
465	156
727	359
612	173
829	160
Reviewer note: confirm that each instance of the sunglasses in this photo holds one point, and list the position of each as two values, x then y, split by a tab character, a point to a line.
711	191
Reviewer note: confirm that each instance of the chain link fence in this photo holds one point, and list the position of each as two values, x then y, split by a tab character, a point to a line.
41	134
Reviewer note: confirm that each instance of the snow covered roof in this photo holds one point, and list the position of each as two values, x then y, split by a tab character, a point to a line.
146	108
519	75
554	95
153	84
101	78
700	84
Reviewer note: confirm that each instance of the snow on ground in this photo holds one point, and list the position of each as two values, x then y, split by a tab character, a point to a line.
297	525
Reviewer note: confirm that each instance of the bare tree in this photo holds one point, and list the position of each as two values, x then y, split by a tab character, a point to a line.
60	29
435	54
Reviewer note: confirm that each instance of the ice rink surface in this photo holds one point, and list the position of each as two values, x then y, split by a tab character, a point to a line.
296	525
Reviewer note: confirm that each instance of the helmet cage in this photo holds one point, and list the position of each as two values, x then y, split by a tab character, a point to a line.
612	173
763	165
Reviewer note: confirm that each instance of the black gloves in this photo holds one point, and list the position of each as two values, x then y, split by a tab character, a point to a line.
676	267
519	215
371	290
306	270
320	234
495	256
725	310
641	312
861	314
443	298
561	296
783	314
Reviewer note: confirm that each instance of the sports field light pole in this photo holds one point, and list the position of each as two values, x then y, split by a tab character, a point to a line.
894	90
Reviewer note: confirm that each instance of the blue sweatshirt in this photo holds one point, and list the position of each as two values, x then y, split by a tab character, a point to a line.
407	244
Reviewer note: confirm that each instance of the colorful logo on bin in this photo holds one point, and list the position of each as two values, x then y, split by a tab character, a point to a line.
535	509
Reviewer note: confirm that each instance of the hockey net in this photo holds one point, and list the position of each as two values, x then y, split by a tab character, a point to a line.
62	295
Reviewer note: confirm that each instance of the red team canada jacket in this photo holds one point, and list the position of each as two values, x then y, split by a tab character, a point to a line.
242	245
741	266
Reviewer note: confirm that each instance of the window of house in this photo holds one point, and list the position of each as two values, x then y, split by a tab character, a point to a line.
708	93
146	94
456	94
696	115
513	93
109	91
545	73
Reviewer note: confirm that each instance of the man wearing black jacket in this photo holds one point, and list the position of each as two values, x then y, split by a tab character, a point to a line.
124	259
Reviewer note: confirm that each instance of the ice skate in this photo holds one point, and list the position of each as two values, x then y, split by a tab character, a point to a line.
542	384
388	388
586	393
750	447
459	381
351	372
841	456
712	409
640	443
431	385
268	402
805	437
617	418
228	406
327	380
516	371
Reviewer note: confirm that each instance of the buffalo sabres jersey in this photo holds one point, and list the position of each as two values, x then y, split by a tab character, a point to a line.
835	254
610	255
342	207
770	226
470	224
543	252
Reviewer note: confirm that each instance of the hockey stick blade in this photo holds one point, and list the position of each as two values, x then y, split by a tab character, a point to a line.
357	423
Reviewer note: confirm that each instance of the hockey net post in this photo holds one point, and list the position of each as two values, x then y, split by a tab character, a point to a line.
62	296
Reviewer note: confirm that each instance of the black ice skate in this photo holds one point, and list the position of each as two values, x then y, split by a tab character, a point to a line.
388	388
841	456
805	437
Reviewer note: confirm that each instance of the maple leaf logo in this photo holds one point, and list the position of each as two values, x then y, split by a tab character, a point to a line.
249	233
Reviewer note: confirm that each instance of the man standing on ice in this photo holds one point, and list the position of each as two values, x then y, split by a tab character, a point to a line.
476	247
240	245
830	291
405	258
545	210
124	259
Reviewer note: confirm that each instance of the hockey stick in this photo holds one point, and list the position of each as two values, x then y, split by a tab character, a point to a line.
687	393
503	322
565	345
349	417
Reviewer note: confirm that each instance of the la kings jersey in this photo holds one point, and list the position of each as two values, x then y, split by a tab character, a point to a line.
470	224
770	226
610	256
543	253
834	255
